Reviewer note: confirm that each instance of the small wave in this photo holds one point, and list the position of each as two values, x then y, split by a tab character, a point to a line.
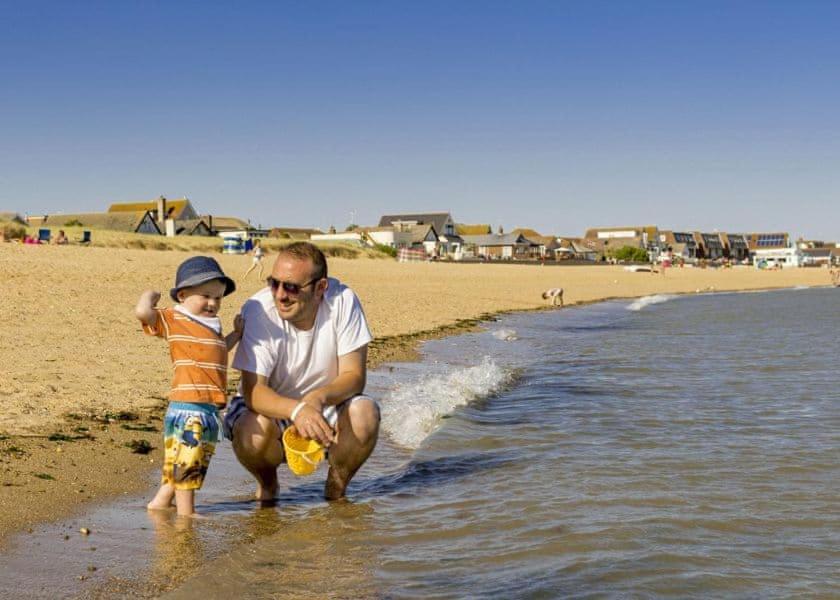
648	300
413	411
506	335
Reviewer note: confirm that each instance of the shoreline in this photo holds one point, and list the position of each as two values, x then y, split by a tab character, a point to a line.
82	458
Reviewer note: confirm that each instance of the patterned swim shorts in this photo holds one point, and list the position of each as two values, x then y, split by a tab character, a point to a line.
191	431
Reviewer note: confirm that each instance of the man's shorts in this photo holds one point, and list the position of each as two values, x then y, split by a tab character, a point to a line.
237	408
190	433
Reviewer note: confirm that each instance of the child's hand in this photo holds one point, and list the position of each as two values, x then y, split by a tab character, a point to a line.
150	296
145	309
238	324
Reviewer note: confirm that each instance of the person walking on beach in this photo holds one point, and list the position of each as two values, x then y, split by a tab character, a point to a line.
257	253
303	359
199	356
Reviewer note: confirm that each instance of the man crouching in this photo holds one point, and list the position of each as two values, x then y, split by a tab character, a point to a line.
303	359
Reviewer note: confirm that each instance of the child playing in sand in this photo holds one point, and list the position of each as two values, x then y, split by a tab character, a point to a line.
200	357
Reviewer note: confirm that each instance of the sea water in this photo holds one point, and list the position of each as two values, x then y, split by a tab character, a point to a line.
663	447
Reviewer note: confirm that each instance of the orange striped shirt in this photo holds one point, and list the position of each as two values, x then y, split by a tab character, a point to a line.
199	357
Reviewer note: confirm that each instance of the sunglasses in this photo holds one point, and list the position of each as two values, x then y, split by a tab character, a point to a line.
288	287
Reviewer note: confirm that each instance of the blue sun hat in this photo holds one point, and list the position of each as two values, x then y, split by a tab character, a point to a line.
197	270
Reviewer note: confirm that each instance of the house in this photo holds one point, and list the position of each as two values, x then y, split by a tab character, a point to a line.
817	256
508	246
425	236
355	236
606	239
709	245
191	227
735	246
682	244
548	244
226	224
293	233
389	236
570	248
133	222
449	242
766	241
465	229
161	208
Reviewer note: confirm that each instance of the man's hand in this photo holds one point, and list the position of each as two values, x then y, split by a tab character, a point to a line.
311	424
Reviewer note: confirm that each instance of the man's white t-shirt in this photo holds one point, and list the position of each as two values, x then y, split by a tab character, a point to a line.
294	361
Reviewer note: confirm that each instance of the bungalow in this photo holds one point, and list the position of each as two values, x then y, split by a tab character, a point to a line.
574	248
604	239
508	246
293	233
464	229
548	244
191	227
180	209
449	242
227	224
389	236
133	222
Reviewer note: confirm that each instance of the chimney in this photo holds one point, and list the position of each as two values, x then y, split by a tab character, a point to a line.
210	222
161	209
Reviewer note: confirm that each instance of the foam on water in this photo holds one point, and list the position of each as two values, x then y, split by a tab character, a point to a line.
413	410
506	335
645	301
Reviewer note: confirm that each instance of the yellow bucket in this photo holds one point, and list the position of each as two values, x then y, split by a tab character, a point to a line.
302	455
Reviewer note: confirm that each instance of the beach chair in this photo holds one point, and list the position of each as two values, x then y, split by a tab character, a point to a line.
85	237
44	236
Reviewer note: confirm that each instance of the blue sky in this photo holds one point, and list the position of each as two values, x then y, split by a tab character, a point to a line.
551	115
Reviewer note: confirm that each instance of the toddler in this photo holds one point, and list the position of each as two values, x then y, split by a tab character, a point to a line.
199	356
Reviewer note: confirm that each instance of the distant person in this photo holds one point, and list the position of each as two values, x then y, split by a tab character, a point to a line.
303	359
200	357
31	239
555	295
60	239
258	254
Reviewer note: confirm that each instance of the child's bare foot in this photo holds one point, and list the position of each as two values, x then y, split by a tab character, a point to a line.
266	485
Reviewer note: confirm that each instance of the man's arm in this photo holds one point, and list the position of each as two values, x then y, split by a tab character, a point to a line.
351	379
261	399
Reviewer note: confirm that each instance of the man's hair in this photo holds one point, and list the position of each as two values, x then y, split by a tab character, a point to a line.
306	250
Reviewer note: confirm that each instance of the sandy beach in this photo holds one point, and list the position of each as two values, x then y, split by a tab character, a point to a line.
82	386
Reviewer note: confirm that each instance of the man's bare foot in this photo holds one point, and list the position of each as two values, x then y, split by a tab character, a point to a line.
266	485
154	505
336	484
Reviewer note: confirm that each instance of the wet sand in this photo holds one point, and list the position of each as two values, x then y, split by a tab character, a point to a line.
81	384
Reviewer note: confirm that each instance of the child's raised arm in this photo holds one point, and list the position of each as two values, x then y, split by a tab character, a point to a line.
234	336
145	309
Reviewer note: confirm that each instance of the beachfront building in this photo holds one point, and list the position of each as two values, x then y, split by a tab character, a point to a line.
161	208
709	245
769	258
293	233
188	227
605	240
389	236
130	222
735	246
548	244
767	241
682	244
467	229
449	243
572	248
505	246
